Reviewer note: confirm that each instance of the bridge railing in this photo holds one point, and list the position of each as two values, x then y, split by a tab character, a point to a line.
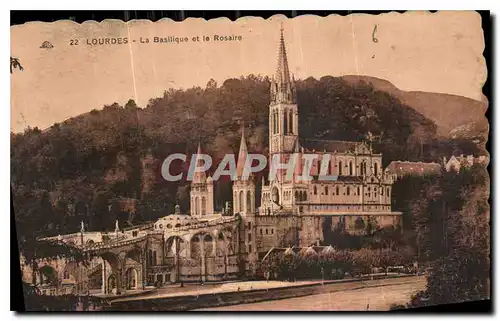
114	243
219	221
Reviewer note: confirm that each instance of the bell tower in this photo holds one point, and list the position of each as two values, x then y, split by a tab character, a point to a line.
283	110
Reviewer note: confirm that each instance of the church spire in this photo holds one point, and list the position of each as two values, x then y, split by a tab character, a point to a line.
282	86
242	155
199	177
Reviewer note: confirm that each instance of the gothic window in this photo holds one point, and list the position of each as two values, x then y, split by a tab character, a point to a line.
273	121
241	201
340	168
66	274
277	123
388	192
273	125
350	169
376	169
249	202
150	257
154	258
363	166
203	206
285	122
196	206
276	196
304	198
290	122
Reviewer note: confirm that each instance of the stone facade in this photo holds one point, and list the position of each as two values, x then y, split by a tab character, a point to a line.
206	246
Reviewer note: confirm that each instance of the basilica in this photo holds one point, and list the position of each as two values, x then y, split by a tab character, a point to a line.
204	245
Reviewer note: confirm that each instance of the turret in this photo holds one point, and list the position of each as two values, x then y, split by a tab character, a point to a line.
202	191
243	187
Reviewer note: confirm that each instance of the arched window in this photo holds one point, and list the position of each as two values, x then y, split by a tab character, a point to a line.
154	258
276	196
359	191
241	201
382	191
196	206
348	190
273	124
290	122
340	168
285	122
150	257
267	232
350	169
297	196
329	168
203	206
376	169
249	202
326	190
364	169
388	191
337	190
277	123
315	190
66	274
304	198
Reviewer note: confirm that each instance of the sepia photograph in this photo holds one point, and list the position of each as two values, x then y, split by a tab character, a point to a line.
306	163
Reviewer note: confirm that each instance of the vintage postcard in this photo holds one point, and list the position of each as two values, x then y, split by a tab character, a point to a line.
331	163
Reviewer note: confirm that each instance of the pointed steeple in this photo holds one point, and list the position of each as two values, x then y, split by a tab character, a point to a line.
282	71
199	177
282	85
242	154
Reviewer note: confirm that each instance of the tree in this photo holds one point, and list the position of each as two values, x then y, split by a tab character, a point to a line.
456	238
365	259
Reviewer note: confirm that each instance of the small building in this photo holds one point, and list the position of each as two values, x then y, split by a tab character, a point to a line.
401	169
457	162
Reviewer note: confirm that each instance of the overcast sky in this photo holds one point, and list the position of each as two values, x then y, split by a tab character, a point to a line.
416	52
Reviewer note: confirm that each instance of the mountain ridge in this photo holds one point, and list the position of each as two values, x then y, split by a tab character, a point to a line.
463	109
